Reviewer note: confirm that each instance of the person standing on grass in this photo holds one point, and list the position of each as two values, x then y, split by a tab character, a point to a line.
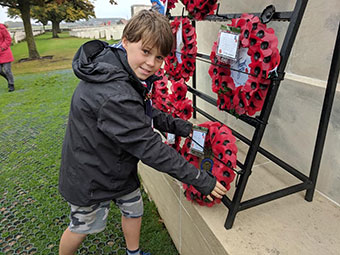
110	129
6	57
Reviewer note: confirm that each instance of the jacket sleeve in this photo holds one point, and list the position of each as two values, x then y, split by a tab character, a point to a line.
166	123
7	39
123	120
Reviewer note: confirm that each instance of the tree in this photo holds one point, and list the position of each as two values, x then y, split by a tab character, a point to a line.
69	11
24	6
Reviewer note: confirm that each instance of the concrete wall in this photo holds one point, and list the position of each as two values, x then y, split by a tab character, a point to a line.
108	32
138	7
292	127
18	36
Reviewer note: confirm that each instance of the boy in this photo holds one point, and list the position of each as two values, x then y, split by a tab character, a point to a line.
110	129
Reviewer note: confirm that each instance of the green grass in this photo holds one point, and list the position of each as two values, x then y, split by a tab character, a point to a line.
62	49
33	215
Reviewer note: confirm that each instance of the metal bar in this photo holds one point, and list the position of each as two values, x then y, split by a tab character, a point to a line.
261	150
206	58
278	16
265	113
249	120
293	171
274	195
202	95
226	201
325	116
208	116
235	133
194	103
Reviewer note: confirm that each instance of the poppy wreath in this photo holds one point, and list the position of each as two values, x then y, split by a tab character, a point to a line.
179	106
173	67
176	103
219	159
260	44
199	9
160	92
171	3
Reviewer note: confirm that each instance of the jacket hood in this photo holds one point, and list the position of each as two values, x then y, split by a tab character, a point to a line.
96	62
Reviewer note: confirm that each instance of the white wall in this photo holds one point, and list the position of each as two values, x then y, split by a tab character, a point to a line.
292	127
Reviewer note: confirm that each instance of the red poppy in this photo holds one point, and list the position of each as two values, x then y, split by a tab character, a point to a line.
179	89
199	9
183	109
223	160
185	69
261	43
171	3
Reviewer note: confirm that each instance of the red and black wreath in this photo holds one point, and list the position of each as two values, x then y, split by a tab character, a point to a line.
187	55
219	158
171	3
244	93
160	92
199	9
176	103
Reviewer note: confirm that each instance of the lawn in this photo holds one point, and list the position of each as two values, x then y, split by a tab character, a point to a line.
61	49
33	215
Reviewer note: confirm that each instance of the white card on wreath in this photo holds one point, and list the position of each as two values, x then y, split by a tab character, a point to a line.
228	45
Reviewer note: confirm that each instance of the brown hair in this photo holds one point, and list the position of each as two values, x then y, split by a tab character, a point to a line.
152	28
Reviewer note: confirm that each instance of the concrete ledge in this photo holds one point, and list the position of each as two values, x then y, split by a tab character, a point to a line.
188	230
289	225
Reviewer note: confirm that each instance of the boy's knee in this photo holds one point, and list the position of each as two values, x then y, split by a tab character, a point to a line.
76	233
131	205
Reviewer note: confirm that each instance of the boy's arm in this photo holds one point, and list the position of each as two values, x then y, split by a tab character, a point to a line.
166	123
123	120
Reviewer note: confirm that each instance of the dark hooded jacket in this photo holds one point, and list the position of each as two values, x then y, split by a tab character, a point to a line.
108	132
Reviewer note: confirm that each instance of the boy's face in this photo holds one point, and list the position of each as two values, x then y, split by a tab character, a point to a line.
144	60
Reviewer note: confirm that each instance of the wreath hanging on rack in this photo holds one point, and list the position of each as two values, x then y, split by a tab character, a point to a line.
220	149
219	158
176	103
242	85
160	92
199	9
182	64
171	3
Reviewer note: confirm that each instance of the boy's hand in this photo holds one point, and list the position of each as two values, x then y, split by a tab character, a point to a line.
218	191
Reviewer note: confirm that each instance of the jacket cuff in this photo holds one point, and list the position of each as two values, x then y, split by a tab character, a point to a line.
210	183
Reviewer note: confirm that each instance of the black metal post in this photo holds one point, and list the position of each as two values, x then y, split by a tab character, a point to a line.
325	116
265	113
194	81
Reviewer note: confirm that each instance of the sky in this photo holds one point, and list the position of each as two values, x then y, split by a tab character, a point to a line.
103	9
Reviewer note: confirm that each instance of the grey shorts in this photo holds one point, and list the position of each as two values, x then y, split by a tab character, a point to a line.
92	219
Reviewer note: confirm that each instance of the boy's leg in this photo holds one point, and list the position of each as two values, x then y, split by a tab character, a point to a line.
131	207
70	242
131	228
84	220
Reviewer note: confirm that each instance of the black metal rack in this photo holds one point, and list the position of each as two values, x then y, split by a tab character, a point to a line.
236	204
